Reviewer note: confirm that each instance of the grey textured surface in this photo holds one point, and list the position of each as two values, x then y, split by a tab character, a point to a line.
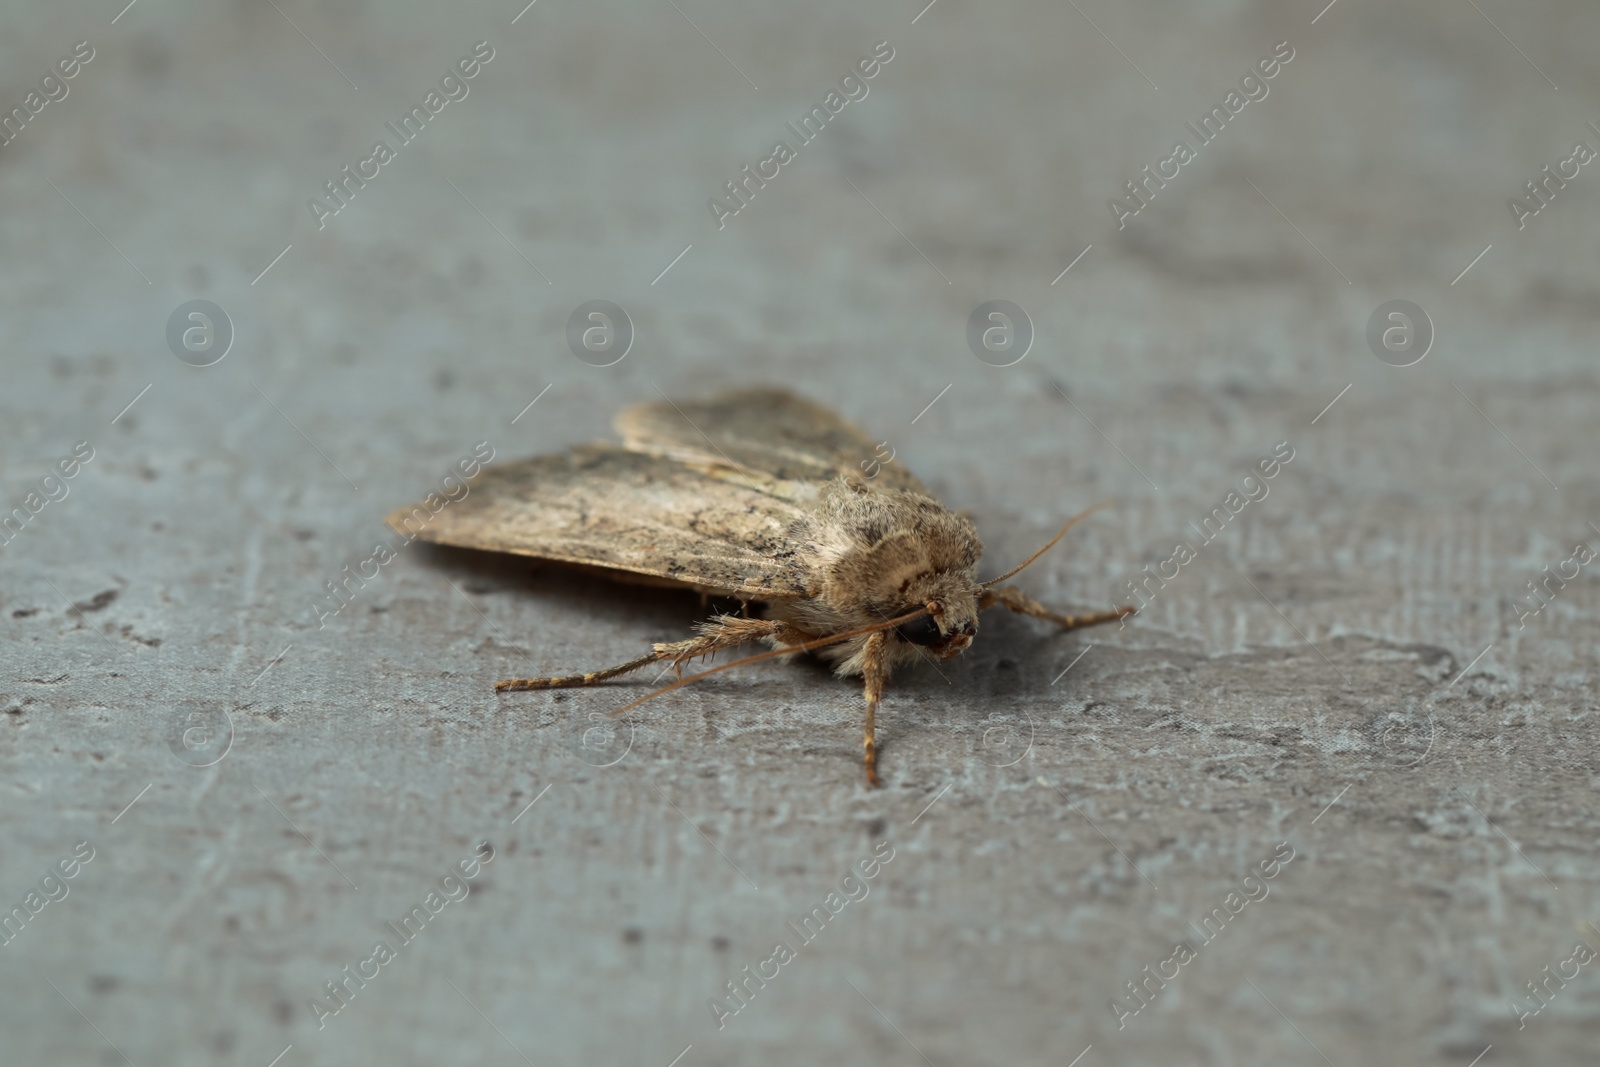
1342	669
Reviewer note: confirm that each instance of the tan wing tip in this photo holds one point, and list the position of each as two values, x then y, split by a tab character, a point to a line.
396	521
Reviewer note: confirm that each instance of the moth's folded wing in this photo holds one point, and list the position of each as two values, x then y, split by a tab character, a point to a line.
771	431
604	506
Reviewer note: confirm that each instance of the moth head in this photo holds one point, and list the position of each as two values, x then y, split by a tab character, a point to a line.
946	591
925	630
950	603
893	552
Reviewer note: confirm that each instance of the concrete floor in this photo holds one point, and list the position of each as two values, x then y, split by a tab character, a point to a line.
1343	676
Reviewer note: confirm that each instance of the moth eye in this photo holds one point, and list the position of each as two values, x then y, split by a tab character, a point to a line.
923	630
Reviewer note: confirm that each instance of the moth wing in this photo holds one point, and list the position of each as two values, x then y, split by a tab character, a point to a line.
604	506
766	431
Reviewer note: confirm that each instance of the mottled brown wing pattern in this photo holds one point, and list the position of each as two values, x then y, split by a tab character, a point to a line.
767	430
608	507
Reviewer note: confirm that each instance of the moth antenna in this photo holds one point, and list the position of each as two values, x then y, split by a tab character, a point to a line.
804	646
1048	546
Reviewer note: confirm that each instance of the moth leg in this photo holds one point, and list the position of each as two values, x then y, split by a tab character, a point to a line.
715	634
1009	596
568	681
724	631
875	671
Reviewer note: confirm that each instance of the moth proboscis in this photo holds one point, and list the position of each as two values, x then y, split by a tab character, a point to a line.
754	494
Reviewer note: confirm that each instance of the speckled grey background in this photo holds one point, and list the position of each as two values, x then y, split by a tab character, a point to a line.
1343	669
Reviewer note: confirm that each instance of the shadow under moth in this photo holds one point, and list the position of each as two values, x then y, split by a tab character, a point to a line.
756	494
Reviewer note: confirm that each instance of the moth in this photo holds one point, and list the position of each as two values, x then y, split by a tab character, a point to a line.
759	495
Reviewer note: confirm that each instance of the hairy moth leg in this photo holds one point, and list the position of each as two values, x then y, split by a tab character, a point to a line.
715	635
875	671
1009	596
724	631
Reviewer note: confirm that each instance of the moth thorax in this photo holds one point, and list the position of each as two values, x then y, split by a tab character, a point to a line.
883	572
